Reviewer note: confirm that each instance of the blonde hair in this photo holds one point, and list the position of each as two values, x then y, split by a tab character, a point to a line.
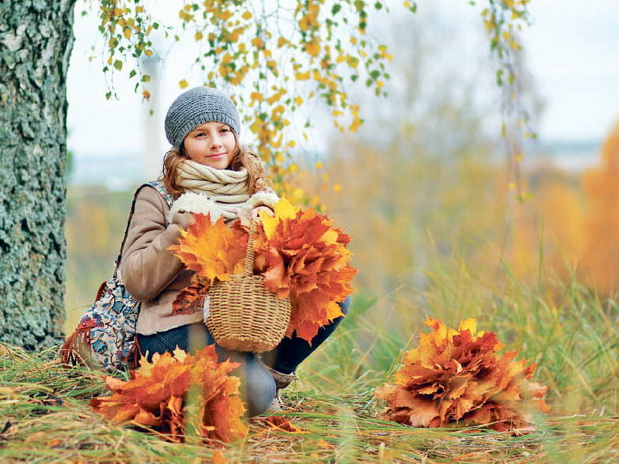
256	175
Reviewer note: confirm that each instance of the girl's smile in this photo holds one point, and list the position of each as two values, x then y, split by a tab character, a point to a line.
212	144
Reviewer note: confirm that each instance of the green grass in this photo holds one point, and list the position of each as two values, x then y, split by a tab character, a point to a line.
45	415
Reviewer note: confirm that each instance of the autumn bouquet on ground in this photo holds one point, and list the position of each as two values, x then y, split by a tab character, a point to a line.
459	378
299	253
176	392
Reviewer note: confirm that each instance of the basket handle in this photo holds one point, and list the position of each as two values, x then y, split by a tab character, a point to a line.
248	269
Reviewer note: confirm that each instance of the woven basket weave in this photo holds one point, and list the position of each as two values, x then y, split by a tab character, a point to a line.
244	314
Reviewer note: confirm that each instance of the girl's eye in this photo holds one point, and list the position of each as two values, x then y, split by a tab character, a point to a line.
224	130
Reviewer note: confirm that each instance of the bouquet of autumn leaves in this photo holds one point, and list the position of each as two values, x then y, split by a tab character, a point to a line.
179	394
458	377
299	253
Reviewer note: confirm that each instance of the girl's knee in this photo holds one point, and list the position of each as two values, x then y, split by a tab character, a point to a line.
257	384
345	305
260	395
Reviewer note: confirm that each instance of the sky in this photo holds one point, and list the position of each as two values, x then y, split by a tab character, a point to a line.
573	53
572	49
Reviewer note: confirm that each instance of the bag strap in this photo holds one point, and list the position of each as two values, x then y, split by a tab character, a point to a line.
169	199
160	187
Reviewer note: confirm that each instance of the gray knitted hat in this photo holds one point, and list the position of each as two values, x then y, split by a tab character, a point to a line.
198	106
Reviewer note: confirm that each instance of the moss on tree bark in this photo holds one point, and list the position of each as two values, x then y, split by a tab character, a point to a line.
35	44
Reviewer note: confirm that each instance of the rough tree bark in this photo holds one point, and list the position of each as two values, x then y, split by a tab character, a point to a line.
35	43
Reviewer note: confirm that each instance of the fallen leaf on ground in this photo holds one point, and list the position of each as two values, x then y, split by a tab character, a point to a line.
282	424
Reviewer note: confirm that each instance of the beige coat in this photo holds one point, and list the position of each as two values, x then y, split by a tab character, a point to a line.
151	273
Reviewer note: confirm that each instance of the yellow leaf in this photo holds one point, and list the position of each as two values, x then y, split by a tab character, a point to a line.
182	84
283	210
226	15
330	237
179	354
313	48
269	223
256	96
302	76
470	325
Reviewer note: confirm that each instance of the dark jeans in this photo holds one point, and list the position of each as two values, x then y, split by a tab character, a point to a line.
257	385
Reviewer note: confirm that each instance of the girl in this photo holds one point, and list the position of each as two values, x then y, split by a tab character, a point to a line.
206	171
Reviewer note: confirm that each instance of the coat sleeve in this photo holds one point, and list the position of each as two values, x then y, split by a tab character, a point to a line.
146	266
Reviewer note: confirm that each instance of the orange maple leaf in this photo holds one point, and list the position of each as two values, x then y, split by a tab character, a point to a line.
212	250
191	297
156	393
457	377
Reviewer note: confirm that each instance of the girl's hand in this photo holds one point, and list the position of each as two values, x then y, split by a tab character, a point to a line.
266	209
246	217
183	219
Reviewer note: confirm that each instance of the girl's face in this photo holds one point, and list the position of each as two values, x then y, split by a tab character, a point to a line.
212	144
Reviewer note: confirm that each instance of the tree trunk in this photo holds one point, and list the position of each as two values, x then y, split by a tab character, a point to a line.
35	43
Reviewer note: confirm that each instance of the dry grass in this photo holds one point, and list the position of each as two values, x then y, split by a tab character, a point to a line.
46	419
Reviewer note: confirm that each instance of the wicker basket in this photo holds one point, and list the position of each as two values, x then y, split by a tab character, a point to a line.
244	314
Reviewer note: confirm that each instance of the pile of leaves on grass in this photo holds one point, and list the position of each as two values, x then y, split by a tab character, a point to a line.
459	377
45	417
178	391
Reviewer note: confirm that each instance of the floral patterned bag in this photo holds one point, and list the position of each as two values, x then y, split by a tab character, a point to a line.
105	336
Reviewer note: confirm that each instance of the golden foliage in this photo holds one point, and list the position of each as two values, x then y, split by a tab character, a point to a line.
157	392
258	50
212	250
458	378
600	261
548	228
574	230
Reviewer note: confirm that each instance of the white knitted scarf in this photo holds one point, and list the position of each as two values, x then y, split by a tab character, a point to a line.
220	185
220	192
